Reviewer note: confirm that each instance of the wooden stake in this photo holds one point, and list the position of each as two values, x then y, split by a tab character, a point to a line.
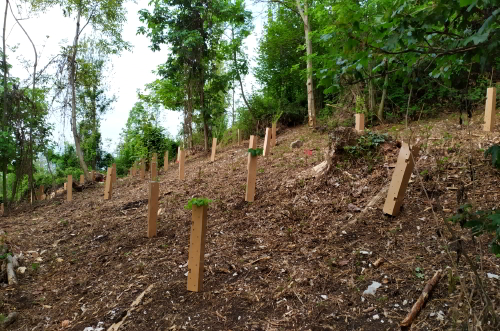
40	193
267	143
178	153
113	177
253	145
65	185
273	135
82	179
360	123
143	169
490	110
251	178
154	167
182	158
400	178
154	192
70	188
108	187
214	146
165	161
196	260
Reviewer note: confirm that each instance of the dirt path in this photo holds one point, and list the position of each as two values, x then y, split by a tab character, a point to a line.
285	262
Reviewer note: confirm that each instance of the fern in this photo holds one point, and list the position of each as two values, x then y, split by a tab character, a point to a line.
255	152
495	155
199	202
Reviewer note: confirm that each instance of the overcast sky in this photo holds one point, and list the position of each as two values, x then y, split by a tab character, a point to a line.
129	72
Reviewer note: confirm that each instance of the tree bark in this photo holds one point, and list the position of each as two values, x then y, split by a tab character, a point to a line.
380	113
72	79
311	106
4	113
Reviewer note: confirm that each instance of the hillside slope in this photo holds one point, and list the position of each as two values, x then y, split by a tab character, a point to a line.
292	260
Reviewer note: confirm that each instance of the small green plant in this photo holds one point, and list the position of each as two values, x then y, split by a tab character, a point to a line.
494	151
35	266
199	202
277	116
480	221
2	318
360	107
368	141
261	170
419	273
256	151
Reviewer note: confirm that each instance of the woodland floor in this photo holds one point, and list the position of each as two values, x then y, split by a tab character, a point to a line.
292	260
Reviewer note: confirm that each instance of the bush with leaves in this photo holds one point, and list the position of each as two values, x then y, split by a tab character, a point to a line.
199	202
494	151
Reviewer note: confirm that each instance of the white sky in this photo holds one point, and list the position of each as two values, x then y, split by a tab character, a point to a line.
130	70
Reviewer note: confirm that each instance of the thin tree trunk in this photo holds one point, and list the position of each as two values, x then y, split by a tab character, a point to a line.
380	113
311	106
72	81
4	112
371	91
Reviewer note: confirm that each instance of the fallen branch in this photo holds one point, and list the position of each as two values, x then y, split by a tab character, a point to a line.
133	306
421	300
382	193
11	274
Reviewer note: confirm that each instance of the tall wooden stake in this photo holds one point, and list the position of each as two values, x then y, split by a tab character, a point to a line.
400	178
114	173
182	158
253	145
196	261
165	161
273	135
143	169
154	192
82	179
360	122
70	188
490	110
108	187
214	147
267	143
251	177
154	167
239	141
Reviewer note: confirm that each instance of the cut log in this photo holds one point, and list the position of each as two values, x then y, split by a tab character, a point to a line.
373	202
11	274
421	300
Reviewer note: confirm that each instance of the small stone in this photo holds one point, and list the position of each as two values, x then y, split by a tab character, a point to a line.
65	323
59	260
21	270
353	208
405	302
375	317
296	144
324	297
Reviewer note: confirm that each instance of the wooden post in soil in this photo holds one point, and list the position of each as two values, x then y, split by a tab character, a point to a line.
239	142
93	175
70	188
267	143
113	177
108	187
360	123
154	192
273	135
196	261
165	161
178	153
490	110
251	178
400	178
154	167
214	147
252	144
143	169
65	185
82	179
182	158
40	193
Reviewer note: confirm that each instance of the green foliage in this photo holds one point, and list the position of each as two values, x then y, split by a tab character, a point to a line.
494	151
256	151
480	221
419	273
199	202
366	143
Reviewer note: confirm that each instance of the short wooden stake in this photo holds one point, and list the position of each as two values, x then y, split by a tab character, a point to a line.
134	169
165	161
65	185
182	158
251	178
360	123
196	261
400	178
154	192
273	135
113	177
70	188
253	145
214	147
82	179
239	137
40	193
143	169
154	167
267	143
108	187
490	110
178	153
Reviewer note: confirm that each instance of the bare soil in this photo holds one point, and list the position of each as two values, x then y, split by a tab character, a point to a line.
292	260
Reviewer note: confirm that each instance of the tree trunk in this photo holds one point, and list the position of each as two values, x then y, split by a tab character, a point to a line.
189	115
380	113
371	91
311	107
72	81
4	113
